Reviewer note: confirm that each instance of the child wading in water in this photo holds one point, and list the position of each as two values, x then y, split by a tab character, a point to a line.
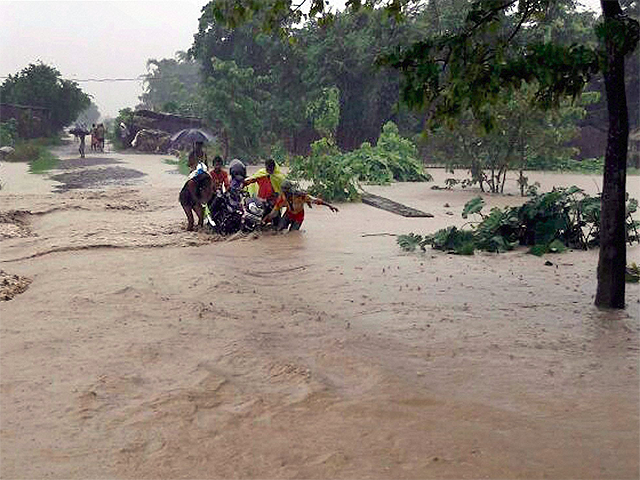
294	201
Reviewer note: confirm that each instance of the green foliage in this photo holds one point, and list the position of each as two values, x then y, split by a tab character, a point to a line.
494	51
301	75
35	152
25	151
393	158
279	153
324	112
44	162
521	136
450	239
632	273
409	242
473	206
335	175
42	86
8	132
233	98
548	223
324	168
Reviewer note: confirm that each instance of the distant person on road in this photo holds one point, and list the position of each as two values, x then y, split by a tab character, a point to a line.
100	137
294	201
81	135
94	138
124	134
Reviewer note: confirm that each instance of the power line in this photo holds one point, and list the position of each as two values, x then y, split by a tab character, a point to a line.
139	78
136	79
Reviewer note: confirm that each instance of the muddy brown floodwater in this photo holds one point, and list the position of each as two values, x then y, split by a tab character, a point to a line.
131	348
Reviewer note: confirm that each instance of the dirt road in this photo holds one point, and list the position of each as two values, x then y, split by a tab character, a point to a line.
139	350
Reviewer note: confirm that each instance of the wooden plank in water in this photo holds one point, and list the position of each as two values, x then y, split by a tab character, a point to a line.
391	206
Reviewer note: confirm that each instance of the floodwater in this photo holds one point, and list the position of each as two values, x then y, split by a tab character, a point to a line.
139	350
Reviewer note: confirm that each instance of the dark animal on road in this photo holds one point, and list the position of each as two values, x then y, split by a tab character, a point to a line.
196	192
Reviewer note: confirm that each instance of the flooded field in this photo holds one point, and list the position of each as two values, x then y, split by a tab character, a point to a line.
131	348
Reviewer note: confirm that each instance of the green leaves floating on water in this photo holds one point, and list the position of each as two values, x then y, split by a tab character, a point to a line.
472	206
411	241
632	273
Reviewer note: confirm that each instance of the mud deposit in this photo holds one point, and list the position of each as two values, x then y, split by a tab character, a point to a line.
14	223
141	350
12	285
92	178
86	162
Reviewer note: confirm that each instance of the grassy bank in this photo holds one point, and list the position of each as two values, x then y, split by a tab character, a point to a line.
36	153
181	163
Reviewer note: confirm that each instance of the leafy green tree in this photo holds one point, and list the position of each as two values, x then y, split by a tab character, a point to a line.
325	169
522	134
232	100
172	85
42	86
342	53
324	112
334	175
277	62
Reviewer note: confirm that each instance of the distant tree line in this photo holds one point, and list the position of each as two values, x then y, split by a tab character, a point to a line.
256	87
40	85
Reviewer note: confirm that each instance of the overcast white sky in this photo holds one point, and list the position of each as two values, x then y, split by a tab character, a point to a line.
100	39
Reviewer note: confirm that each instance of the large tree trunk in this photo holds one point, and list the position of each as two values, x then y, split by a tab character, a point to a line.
613	254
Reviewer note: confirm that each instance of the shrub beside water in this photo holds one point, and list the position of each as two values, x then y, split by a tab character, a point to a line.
548	223
335	176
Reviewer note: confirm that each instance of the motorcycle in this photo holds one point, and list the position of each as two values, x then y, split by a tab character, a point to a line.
235	211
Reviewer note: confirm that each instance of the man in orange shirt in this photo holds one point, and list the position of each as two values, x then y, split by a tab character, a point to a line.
294	201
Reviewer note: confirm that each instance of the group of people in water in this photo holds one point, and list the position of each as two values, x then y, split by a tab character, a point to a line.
284	202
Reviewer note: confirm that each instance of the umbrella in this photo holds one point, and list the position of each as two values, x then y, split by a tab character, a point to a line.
192	135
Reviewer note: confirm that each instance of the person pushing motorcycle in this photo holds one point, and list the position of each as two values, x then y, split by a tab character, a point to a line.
268	181
294	200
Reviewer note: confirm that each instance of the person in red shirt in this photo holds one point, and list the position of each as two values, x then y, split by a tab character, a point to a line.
294	201
219	176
